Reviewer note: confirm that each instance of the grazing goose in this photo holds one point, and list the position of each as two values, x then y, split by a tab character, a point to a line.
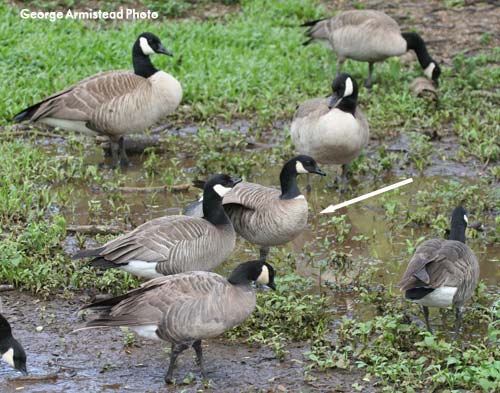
332	130
185	308
174	244
114	103
12	352
265	216
369	36
443	273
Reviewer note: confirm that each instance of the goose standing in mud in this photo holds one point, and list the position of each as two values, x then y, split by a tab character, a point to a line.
332	130
443	273
185	308
369	36
114	103
266	216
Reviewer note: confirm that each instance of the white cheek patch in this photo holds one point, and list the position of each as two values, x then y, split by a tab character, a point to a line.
221	190
300	168
8	357
349	88
263	276
429	70
146	49
466	219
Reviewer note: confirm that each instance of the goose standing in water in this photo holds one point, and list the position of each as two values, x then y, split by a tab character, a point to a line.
186	308
332	130
370	36
266	216
174	244
443	273
113	103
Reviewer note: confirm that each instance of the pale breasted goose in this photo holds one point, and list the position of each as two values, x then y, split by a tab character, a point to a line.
266	216
443	273
174	244
185	308
114	103
371	36
11	351
332	130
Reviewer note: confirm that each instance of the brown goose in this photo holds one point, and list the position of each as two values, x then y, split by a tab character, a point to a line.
443	273
11	351
185	308
332	130
174	244
114	103
266	216
371	36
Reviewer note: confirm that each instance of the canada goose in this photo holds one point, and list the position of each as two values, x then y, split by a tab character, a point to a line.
370	36
12	352
442	273
332	130
265	216
174	244
114	103
185	308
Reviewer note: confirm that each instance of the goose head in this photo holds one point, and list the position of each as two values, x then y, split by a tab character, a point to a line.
304	164
433	71
344	93
150	44
219	185
253	271
11	351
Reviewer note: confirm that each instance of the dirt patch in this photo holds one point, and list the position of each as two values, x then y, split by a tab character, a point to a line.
97	361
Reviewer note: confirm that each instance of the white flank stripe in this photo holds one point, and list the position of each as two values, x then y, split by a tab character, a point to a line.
332	208
440	297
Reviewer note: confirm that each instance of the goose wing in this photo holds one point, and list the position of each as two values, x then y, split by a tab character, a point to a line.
251	196
316	107
439	263
81	100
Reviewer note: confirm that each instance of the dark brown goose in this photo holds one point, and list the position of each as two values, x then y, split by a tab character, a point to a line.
186	308
443	273
332	130
174	244
114	103
12	352
371	36
266	216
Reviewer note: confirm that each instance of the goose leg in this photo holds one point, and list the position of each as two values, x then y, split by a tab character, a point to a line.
199	357
115	147
458	320
308	186
368	83
340	63
343	177
263	253
175	351
123	154
426	316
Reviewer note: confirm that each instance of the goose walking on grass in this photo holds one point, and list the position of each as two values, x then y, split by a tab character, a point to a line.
114	103
443	273
369	36
174	244
186	308
11	351
266	216
332	130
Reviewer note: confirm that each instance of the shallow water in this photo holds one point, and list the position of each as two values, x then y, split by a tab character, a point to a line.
85	361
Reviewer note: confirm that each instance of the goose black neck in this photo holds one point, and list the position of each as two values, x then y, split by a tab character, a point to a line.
457	231
288	181
142	63
5	330
213	211
348	104
415	42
